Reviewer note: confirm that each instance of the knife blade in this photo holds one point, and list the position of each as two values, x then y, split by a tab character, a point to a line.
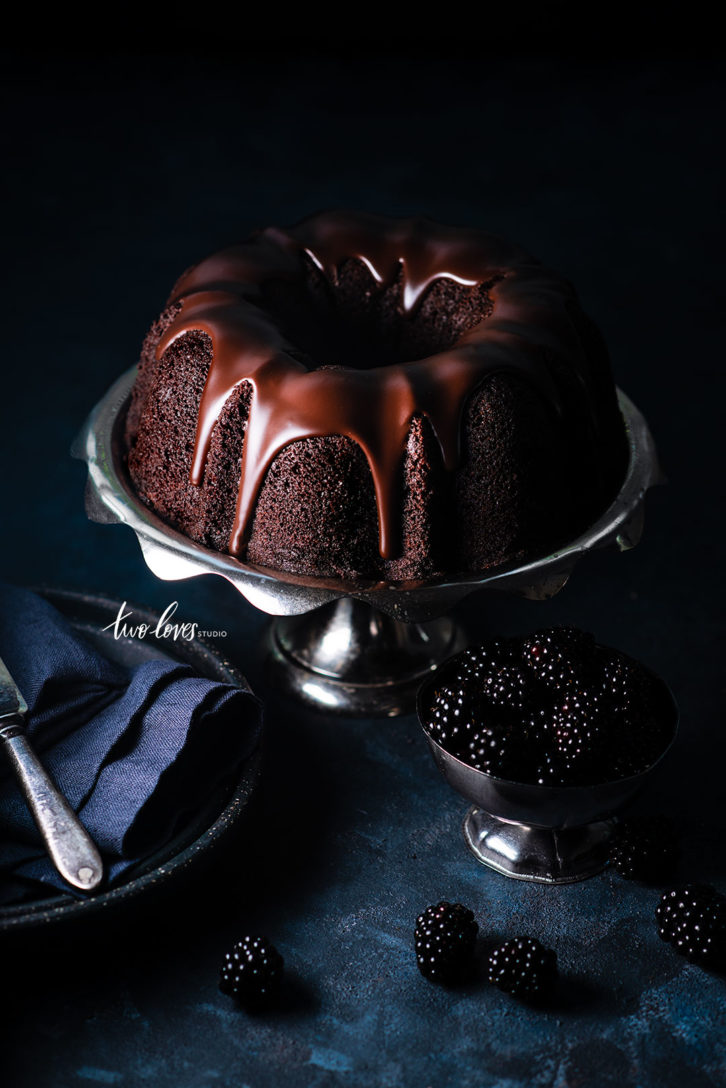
11	701
70	847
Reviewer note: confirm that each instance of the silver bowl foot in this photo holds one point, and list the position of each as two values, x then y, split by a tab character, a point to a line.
538	854
349	658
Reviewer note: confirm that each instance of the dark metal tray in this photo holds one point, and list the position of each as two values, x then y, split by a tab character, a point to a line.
89	615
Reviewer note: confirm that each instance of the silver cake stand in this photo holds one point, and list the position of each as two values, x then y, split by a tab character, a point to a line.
351	647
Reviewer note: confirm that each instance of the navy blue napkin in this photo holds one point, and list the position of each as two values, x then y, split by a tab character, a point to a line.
137	751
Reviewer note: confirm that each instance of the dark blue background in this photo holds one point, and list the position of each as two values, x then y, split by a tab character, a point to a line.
126	169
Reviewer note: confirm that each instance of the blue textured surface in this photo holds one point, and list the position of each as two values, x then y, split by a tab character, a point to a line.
612	176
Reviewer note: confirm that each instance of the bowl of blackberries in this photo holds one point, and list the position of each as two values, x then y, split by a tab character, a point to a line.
548	735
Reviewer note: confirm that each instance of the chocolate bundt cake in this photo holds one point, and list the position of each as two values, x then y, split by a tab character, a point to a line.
387	398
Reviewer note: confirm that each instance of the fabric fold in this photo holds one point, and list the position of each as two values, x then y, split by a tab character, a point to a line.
138	751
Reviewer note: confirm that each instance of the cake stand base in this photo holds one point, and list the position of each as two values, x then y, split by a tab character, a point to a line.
349	658
538	854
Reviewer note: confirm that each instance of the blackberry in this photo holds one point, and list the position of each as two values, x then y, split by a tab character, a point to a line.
478	661
574	727
508	687
644	848
523	967
546	766
481	749
577	738
558	656
536	731
499	750
624	685
693	919
251	972
445	936
450	720
550	771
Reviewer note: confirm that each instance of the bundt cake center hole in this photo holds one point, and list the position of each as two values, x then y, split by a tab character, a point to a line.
355	322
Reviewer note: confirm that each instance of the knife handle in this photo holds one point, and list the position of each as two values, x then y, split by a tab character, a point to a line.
71	848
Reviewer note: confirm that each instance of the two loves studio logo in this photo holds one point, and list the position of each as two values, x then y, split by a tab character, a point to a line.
126	626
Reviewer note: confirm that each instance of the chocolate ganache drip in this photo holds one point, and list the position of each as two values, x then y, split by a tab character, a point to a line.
223	297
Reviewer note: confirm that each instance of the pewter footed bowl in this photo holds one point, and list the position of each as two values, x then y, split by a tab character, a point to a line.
545	834
351	647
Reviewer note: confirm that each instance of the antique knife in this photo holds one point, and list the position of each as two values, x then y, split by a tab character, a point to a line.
71	848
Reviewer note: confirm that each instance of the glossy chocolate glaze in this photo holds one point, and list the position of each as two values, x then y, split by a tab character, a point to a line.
223	297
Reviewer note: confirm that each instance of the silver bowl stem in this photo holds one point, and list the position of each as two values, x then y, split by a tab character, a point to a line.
556	856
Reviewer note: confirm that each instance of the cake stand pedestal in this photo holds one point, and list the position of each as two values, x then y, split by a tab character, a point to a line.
351	658
351	647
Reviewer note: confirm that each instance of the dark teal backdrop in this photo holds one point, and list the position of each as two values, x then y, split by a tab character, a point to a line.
123	170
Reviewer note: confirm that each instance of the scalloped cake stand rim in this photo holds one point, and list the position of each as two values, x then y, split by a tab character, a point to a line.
170	555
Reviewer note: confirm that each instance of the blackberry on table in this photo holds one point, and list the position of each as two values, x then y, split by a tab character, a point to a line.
692	918
445	936
644	848
523	968
251	972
